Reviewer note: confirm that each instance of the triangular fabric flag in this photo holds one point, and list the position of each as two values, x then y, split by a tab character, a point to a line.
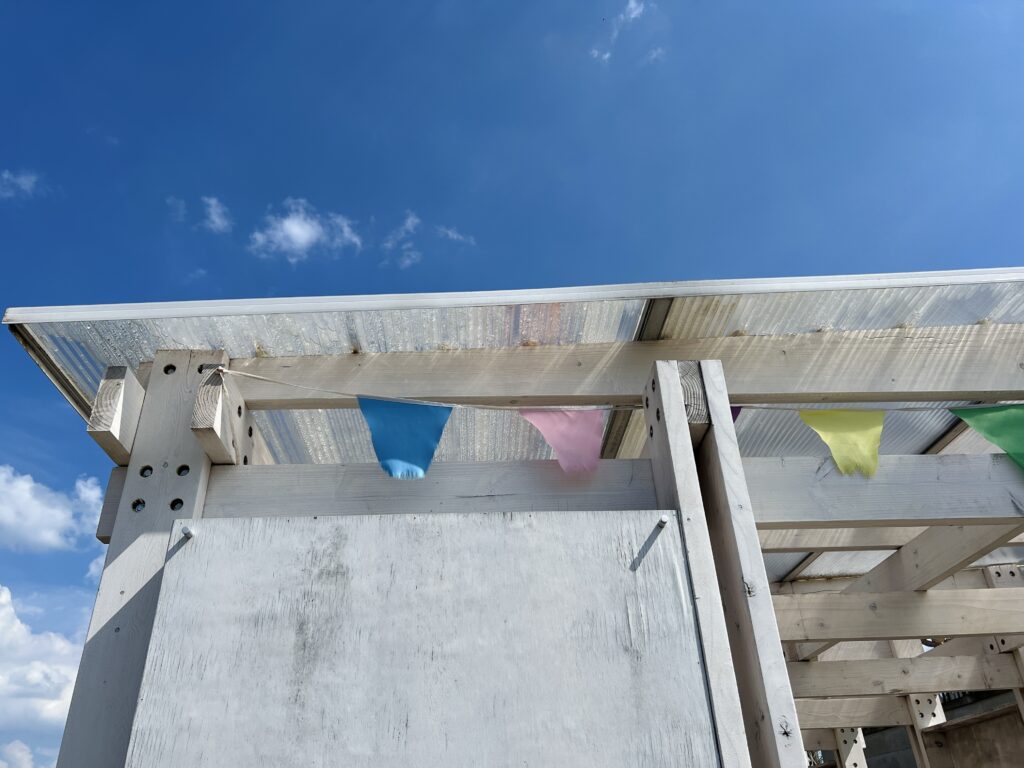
851	435
1000	424
735	410
575	436
405	435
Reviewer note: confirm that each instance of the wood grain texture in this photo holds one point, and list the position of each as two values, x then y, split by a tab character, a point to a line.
377	640
115	413
869	711
677	486
835	539
823	679
906	491
900	615
106	690
958	363
345	489
766	698
111	501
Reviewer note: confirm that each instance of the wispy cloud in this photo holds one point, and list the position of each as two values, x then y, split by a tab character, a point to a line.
299	229
402	233
217	220
195	275
176	209
20	184
451	233
602	56
627	16
655	54
16	754
35	517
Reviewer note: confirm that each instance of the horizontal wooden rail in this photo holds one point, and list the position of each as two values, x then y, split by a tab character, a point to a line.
957	363
874	677
866	712
899	615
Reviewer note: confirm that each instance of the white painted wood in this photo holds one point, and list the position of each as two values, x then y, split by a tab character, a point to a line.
931	557
115	413
961	363
111	500
869	711
217	420
677	487
106	690
906	491
1003	577
818	738
850	748
835	539
765	696
345	489
899	676
372	640
900	615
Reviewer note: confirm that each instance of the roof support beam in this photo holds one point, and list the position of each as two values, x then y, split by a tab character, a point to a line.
959	363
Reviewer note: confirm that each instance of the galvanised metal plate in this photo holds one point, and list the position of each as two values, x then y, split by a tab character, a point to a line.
541	639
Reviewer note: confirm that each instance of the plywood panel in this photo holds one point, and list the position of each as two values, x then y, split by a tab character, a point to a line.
549	638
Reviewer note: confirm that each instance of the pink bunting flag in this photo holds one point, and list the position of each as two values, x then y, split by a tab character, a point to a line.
575	436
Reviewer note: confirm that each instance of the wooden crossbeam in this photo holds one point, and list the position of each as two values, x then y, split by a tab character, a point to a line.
929	558
822	679
958	363
899	615
906	491
835	539
868	712
115	413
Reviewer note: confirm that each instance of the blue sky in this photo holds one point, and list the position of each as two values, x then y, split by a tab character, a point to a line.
203	150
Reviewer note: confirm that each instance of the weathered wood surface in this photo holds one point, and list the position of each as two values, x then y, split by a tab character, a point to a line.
900	615
115	413
765	696
823	679
378	640
340	489
677	486
106	690
869	711
959	363
906	491
111	500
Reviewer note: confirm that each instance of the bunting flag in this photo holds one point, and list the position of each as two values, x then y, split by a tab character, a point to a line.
575	436
1002	425
735	410
851	435
405	435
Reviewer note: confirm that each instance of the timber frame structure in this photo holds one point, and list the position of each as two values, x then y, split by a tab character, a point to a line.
792	660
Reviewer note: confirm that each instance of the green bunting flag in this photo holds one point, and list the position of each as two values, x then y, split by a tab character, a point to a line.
1002	425
851	435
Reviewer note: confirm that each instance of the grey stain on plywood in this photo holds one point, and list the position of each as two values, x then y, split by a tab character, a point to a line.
430	640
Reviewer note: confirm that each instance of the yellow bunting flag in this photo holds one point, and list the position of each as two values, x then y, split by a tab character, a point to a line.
852	436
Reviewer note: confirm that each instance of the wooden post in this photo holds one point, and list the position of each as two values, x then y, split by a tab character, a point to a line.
769	711
166	479
115	413
677	487
850	748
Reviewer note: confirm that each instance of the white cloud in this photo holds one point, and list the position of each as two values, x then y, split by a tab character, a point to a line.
35	517
403	233
196	274
175	208
300	229
217	219
602	56
37	676
18	184
655	54
409	256
634	10
451	233
16	754
96	568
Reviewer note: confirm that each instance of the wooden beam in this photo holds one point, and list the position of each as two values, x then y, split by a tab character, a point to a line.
899	615
224	425
677	487
115	413
931	557
818	738
906	491
111	501
765	695
835	539
294	490
978	362
869	712
850	748
823	679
